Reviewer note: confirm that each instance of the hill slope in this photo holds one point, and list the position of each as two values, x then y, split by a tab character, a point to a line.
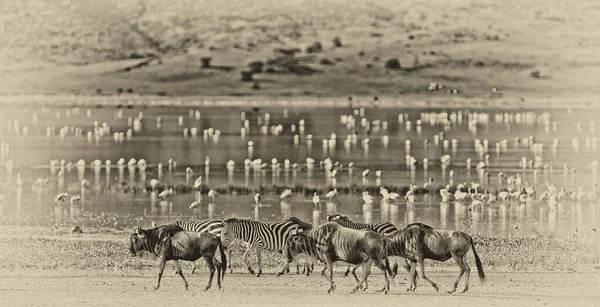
84	46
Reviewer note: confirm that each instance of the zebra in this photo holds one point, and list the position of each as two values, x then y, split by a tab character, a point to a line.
260	235
384	229
212	226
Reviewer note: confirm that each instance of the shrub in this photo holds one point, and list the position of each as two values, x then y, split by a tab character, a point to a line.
337	42
326	61
256	66
536	74
392	63
205	62
246	76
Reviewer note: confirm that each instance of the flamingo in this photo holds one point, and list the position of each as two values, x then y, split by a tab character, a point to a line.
212	194
316	200
474	204
331	194
427	184
286	193
194	205
61	197
74	199
365	173
257	199
166	193
491	198
368	199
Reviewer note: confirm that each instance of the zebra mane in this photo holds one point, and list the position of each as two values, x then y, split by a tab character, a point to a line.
237	220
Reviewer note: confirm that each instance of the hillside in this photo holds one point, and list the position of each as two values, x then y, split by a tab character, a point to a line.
535	48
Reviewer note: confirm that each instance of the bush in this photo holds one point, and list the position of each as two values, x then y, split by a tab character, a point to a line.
129	91
256	86
205	62
536	74
119	91
256	66
314	48
247	76
392	63
337	42
326	61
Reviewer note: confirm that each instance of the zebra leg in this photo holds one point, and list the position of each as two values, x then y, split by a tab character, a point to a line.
259	258
246	260
381	266
211	266
180	272
230	259
413	276
161	268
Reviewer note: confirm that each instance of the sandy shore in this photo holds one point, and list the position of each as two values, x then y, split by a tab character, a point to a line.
35	288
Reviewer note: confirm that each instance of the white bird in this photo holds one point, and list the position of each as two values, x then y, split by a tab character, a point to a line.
378	174
257	198
154	182
331	194
194	205
286	193
166	193
474	204
153	224
212	194
61	197
316	200
75	198
198	182
365	173
368	199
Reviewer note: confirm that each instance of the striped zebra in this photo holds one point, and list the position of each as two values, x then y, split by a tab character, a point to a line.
384	229
212	226
261	236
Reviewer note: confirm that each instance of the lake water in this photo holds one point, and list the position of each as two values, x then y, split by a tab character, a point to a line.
113	201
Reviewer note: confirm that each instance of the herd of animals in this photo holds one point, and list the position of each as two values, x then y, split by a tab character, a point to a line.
339	239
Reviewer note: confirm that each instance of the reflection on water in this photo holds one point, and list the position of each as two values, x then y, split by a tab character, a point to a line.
405	147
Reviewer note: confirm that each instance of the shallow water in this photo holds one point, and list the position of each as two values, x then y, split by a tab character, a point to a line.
110	202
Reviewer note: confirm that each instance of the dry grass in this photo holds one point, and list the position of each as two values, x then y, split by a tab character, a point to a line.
469	45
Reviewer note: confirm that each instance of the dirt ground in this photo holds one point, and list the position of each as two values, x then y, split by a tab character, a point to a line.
105	288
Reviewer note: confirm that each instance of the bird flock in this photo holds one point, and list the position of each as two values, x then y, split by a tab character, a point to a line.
501	176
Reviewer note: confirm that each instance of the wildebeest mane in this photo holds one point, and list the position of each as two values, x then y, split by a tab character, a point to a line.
304	225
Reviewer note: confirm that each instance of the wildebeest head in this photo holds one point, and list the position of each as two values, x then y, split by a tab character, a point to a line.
137	240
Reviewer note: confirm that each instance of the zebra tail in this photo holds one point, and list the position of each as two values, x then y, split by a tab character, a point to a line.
223	258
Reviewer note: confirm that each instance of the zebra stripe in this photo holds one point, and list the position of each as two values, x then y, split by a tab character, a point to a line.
258	235
212	226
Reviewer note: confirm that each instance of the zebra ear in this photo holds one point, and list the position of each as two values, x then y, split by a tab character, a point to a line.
137	230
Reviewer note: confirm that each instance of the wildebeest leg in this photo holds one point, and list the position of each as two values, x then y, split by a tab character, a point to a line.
348	269
413	276
363	265
421	261
180	272
366	271
286	267
161	268
330	268
324	269
379	263
246	260
211	266
259	257
218	265
464	267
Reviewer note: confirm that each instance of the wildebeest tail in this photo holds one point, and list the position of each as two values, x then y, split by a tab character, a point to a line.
223	257
478	263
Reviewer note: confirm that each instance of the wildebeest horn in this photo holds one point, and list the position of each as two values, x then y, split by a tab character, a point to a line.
137	230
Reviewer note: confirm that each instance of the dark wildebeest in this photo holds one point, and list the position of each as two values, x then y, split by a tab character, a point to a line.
418	242
384	229
333	242
170	242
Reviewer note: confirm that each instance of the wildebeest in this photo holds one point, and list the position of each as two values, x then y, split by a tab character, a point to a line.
384	229
332	242
170	242
418	242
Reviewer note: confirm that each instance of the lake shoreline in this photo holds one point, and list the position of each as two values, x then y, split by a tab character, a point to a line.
405	101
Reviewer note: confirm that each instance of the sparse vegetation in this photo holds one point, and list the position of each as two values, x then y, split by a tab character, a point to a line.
392	63
536	74
205	62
